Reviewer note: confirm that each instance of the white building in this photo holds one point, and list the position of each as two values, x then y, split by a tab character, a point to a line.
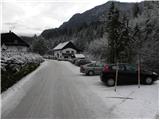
66	50
10	42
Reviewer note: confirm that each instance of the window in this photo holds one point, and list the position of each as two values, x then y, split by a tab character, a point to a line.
67	51
120	67
131	68
99	65
91	65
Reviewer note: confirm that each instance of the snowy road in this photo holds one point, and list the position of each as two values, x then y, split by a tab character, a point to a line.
60	91
58	94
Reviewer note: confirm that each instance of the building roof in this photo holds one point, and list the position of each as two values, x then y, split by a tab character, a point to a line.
11	39
79	56
61	45
64	45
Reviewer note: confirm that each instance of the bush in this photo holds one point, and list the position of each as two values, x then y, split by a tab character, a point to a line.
14	66
10	77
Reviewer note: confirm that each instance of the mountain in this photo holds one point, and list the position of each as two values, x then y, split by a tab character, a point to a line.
88	31
91	19
97	14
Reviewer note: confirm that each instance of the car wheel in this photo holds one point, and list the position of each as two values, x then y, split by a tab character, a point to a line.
110	82
148	80
86	73
90	73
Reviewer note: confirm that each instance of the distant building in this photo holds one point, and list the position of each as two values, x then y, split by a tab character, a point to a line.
66	50
10	42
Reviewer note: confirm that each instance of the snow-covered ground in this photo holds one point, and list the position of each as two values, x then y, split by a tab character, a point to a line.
128	101
12	97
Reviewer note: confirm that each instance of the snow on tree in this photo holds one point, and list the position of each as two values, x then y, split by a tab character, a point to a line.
17	60
118	36
97	48
145	31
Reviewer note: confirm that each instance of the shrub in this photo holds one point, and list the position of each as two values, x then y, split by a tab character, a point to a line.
14	66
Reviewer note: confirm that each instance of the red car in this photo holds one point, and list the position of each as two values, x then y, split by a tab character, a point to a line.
127	74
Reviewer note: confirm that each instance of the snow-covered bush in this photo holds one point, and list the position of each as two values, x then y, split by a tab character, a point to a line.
18	60
14	66
48	57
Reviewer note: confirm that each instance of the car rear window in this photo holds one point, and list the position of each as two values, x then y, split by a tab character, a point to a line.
120	67
91	65
99	65
86	60
131	67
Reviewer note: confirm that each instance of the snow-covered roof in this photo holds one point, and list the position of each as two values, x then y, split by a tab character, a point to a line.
61	45
79	56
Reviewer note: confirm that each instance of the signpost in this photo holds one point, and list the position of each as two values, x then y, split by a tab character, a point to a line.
139	74
117	68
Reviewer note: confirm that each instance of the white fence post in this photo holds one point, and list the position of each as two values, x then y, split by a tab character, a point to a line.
139	74
116	77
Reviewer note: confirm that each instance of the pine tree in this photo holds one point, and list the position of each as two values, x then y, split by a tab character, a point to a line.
136	10
113	26
119	39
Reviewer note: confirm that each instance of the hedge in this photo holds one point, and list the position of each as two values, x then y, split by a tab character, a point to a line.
15	66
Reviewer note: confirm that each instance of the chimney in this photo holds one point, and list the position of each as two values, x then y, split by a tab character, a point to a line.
9	31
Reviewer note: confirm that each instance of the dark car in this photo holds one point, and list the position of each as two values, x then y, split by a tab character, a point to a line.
82	62
92	68
127	74
75	59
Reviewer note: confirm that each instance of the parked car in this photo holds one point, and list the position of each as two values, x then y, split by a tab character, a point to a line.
49	57
60	59
82	62
70	60
92	68
75	59
127	74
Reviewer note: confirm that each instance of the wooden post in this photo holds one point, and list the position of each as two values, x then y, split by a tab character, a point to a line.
116	78
139	74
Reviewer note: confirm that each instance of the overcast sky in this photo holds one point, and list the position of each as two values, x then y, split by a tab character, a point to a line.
29	17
